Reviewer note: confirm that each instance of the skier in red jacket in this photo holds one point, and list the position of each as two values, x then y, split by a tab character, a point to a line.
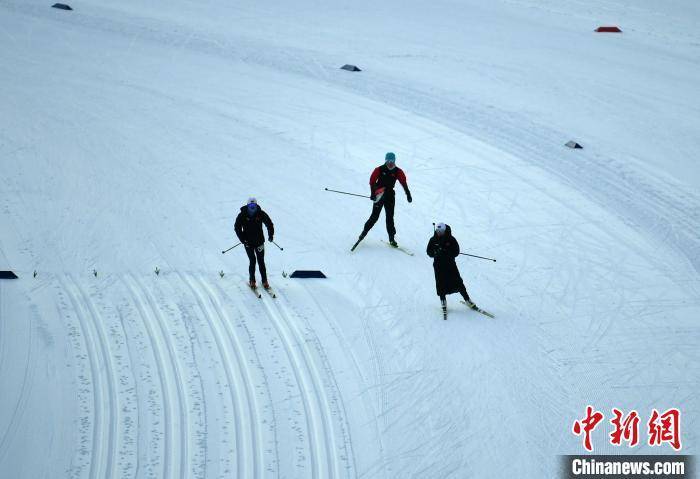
381	184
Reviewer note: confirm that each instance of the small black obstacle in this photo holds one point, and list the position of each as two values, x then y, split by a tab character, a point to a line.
574	145
612	29
350	68
7	275
300	273
61	6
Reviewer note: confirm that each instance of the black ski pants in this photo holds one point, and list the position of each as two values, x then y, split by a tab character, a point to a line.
387	202
259	253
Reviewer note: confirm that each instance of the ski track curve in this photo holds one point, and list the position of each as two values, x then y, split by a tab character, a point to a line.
324	451
110	370
244	448
182	397
349	351
131	409
376	357
249	387
105	407
336	396
166	376
245	312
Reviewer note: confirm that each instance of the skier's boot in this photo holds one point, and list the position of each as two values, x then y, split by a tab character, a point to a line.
251	283
360	238
393	242
266	285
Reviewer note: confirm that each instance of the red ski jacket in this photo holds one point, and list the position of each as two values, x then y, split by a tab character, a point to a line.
383	177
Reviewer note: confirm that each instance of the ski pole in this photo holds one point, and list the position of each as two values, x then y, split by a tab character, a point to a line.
475	256
472	255
346	193
281	249
224	251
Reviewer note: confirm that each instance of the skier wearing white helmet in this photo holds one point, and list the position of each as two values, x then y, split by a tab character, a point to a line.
444	248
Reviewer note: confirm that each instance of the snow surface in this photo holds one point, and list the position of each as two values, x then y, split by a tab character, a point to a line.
131	132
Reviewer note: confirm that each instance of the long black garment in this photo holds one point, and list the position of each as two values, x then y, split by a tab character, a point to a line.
444	249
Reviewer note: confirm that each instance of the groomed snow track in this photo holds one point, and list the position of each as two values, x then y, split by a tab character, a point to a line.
145	367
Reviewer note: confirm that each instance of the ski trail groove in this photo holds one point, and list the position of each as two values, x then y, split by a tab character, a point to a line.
318	408
245	312
165	376
332	323
243	446
98	323
237	346
178	378
132	420
104	408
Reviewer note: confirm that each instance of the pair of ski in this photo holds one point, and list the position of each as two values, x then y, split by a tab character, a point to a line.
400	248
470	306
256	291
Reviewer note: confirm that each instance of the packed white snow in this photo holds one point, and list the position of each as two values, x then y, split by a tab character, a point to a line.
132	132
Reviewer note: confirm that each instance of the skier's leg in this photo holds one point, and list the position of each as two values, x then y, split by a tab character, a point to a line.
389	216
376	210
261	264
465	295
251	264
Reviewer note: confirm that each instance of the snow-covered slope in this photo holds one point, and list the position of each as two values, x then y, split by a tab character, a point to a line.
131	133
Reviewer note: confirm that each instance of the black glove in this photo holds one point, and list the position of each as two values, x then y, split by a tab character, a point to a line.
270	239
372	197
408	196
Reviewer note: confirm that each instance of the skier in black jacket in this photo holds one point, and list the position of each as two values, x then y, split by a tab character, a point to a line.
444	248
249	231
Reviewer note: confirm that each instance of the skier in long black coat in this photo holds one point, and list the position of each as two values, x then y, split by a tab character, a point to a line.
444	248
249	230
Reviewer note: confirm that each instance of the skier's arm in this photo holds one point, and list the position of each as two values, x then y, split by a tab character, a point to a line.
401	176
454	248
238	227
431	247
373	182
270	227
